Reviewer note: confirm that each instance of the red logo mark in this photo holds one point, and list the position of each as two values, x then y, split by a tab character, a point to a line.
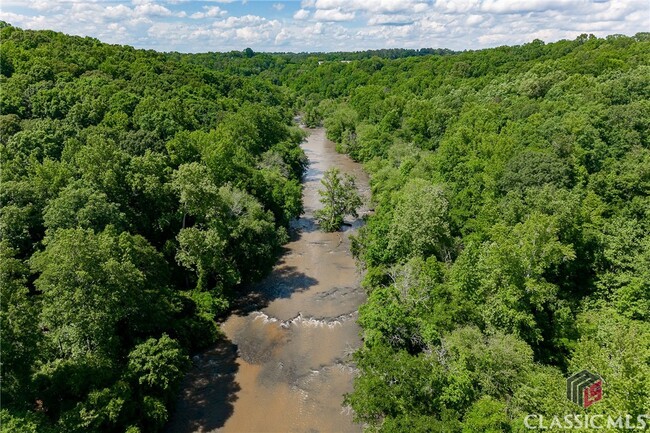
592	393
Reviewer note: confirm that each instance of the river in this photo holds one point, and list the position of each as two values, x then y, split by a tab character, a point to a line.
285	362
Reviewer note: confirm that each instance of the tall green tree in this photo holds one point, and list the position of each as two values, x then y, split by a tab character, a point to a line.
91	283
339	197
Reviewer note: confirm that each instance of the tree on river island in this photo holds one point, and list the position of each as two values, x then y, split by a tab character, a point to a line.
339	197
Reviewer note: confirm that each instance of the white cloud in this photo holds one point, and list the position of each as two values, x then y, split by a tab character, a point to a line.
152	9
437	26
457	6
43	5
243	21
330	24
513	6
278	6
391	20
317	29
282	37
373	6
222	34
301	14
119	11
333	15
473	20
209	12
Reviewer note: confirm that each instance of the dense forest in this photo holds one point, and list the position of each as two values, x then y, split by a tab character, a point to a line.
272	65
509	244
139	195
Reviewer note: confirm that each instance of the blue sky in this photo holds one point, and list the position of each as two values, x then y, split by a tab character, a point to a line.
328	25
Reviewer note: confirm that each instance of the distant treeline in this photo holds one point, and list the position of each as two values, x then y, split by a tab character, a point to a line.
248	62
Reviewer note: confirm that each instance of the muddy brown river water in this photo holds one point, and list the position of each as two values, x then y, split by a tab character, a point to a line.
285	363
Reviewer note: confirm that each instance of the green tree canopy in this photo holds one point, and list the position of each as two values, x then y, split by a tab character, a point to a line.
339	197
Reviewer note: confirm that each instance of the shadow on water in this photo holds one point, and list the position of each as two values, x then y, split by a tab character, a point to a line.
209	391
305	224
312	175
309	225
281	283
